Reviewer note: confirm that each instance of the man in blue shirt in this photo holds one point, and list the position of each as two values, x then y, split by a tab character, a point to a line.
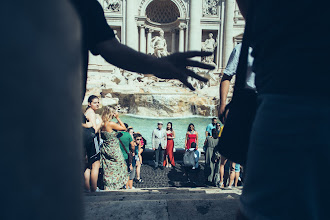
210	126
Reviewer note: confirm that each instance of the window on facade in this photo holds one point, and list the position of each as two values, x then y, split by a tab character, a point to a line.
162	11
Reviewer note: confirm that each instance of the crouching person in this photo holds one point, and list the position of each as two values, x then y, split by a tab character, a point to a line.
190	162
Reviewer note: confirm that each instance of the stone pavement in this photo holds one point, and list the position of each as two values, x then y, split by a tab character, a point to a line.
164	194
163	203
169	177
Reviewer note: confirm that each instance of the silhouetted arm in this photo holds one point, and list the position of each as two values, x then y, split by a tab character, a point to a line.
170	67
243	6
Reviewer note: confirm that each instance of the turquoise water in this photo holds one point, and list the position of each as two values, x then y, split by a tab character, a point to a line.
180	125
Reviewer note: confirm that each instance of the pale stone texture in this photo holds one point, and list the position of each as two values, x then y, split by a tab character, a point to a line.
140	21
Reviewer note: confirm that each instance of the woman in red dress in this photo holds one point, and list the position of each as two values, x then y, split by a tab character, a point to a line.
191	136
168	156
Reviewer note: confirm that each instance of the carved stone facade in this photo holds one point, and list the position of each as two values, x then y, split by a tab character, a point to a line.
113	5
162	27
210	8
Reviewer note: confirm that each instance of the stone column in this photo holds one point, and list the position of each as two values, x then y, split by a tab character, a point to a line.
131	26
181	37
173	41
221	43
195	33
228	30
142	39
149	36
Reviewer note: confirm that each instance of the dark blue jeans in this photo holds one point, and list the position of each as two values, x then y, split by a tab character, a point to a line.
159	153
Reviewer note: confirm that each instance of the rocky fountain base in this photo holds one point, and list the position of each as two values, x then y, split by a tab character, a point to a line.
152	97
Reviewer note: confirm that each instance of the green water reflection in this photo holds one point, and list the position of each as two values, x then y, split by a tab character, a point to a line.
146	125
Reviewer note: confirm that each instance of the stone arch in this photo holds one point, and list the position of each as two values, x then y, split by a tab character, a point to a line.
179	3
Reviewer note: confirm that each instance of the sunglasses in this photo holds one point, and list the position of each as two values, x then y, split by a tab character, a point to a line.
138	139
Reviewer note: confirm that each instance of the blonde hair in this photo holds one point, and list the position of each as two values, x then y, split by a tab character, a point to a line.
107	113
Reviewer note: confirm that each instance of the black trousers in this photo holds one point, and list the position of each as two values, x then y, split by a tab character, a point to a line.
159	154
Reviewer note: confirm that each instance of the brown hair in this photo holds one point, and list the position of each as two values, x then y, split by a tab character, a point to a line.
107	113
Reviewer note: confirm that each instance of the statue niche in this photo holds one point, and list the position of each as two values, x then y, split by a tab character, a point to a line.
209	45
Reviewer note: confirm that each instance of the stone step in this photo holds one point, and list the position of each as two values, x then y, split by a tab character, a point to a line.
163	203
130	196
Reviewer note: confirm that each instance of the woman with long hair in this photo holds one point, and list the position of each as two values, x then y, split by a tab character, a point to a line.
91	126
191	136
112	160
168	156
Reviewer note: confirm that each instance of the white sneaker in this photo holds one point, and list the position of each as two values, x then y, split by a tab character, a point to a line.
219	184
98	190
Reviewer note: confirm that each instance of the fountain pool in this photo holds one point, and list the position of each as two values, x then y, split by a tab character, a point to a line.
146	125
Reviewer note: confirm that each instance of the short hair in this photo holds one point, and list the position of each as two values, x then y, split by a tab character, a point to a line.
136	135
214	119
193	145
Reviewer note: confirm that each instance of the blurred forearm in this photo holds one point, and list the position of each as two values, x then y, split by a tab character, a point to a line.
125	57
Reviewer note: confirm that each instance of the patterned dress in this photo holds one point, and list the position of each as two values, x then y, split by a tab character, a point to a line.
113	163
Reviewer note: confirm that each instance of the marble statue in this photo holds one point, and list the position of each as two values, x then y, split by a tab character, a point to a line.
158	43
209	45
116	36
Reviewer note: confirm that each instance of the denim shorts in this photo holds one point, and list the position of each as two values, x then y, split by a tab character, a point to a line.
237	168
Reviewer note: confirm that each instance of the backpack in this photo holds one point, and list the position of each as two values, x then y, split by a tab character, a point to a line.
189	158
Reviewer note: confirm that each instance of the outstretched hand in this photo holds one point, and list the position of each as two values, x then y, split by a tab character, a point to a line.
175	67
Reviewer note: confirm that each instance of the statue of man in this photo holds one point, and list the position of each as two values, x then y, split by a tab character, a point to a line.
209	45
159	45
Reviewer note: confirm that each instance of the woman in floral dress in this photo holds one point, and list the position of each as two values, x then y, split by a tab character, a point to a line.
112	160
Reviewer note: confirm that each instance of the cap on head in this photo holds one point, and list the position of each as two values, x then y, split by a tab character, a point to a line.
160	123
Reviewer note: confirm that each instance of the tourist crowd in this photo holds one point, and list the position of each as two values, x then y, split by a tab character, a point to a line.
113	151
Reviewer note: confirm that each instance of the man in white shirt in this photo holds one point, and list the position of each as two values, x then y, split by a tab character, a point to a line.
159	142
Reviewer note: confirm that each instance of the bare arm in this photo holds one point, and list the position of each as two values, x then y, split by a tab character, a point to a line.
223	90
185	142
170	67
173	135
196	140
87	124
98	127
90	115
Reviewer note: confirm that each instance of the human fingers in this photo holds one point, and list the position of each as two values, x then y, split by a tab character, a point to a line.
186	83
195	75
194	63
191	54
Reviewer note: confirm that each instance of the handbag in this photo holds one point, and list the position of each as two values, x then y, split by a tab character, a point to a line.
189	158
234	141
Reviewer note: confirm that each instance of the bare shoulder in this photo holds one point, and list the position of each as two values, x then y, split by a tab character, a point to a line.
89	112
